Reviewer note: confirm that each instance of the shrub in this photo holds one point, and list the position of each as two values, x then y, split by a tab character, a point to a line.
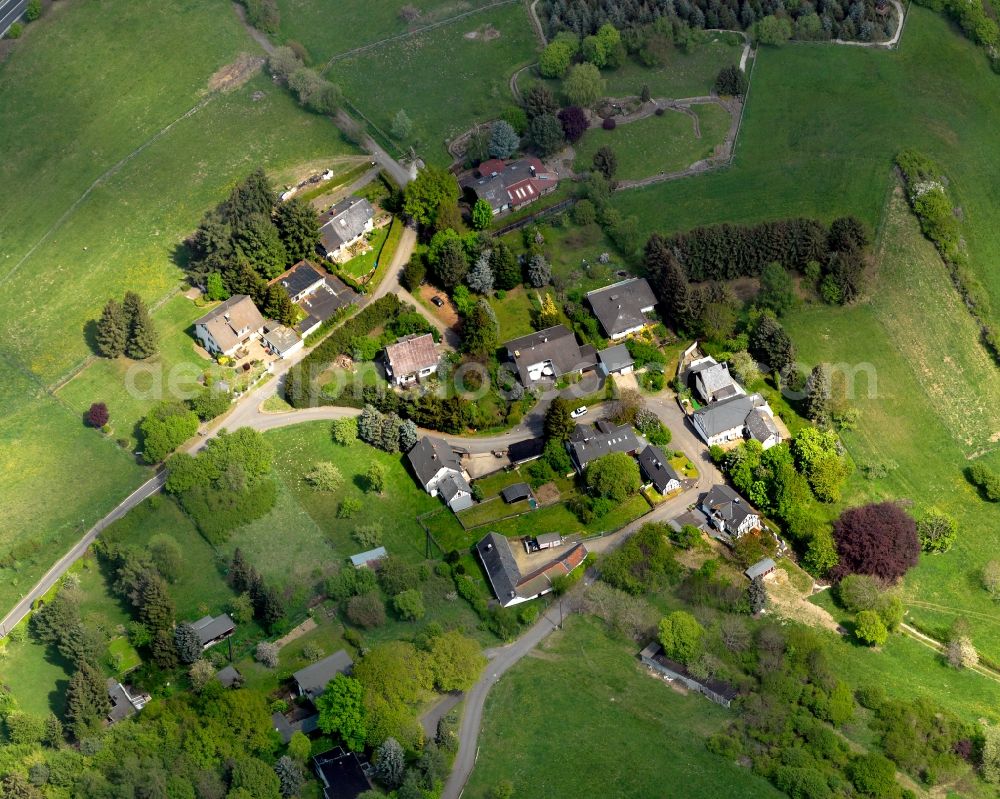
97	415
937	532
991	578
986	480
348	508
731	80
409	604
267	654
15	31
870	629
324	476
366	610
609	123
368	535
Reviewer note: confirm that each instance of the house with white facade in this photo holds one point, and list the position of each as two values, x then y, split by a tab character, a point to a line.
344	225
742	416
546	355
728	512
622	308
411	359
439	470
711	381
230	326
657	471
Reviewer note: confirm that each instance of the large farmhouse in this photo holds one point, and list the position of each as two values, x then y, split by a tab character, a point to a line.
411	359
343	226
509	585
440	472
230	326
742	416
548	354
622	307
509	185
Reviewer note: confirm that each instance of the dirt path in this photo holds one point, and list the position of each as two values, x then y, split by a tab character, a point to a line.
937	646
296	633
536	23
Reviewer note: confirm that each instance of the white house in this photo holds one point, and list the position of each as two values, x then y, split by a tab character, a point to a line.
742	416
728	512
622	307
548	354
440	472
343	226
411	359
229	326
658	471
712	381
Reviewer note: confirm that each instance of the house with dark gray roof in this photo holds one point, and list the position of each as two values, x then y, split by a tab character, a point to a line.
437	467
311	681
212	629
318	294
657	470
301	280
589	442
622	308
342	226
730	419
616	361
509	585
341	774
546	355
124	703
728	512
523	451
712	381
509	185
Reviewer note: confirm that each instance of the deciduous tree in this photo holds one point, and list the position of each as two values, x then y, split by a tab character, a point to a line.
583	84
680	636
606	162
878	539
432	188
97	415
342	711
615	477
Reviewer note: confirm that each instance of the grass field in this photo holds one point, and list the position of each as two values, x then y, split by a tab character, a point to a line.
514	312
928	410
657	143
98	205
459	80
580	717
329	27
823	124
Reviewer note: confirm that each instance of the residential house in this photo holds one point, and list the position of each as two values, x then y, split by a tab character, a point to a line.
411	359
124	703
369	559
509	185
622	308
211	630
524	451
229	677
311	681
658	471
341	774
229	326
741	416
509	585
343	226
281	341
297	718
317	294
548	354
439	470
711	381
728	512
589	442
722	693
761	568
615	361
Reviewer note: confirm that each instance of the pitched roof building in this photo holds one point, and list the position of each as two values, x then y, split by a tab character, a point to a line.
301	280
616	360
728	512
589	442
722	693
658	471
124	703
312	680
736	417
369	558
212	629
546	355
439	470
712	381
509	585
410	359
621	308
509	185
230	325
344	224
332	295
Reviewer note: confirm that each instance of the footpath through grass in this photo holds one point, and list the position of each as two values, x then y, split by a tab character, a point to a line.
580	717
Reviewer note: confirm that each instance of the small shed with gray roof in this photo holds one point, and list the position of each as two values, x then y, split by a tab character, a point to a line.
616	360
761	568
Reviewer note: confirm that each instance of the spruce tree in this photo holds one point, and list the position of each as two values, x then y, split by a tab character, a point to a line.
157	608
817	402
142	339
164	651
112	330
53	735
188	643
278	305
669	281
506	270
298	224
86	699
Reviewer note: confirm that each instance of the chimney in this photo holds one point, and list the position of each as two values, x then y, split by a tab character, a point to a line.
489	547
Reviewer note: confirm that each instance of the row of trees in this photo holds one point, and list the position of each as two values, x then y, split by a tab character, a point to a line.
249	239
312	90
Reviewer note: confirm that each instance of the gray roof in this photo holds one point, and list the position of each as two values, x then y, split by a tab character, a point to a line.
501	568
695	517
431	454
760	568
529	449
344	222
286	727
452	486
312	679
760	425
727	414
589	443
282	338
549	538
323	303
725	504
657	469
622	306
516	492
616	358
300	277
121	702
556	345
723	689
363	558
716	383
512	183
229	676
209	628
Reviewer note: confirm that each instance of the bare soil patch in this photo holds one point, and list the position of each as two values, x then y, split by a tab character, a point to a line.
790	603
547	494
234	75
487	33
447	313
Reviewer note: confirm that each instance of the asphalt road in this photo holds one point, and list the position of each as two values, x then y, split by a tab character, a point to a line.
10	11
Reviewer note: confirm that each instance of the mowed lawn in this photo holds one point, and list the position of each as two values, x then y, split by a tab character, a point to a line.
106	113
823	124
329	27
685	74
657	144
923	387
444	80
580	717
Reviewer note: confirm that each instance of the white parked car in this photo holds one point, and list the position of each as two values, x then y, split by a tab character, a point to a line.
581	411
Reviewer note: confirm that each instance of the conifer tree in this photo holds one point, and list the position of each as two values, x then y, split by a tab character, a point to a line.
112	330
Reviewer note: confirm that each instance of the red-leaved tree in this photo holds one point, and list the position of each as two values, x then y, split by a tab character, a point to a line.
98	415
878	539
574	122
